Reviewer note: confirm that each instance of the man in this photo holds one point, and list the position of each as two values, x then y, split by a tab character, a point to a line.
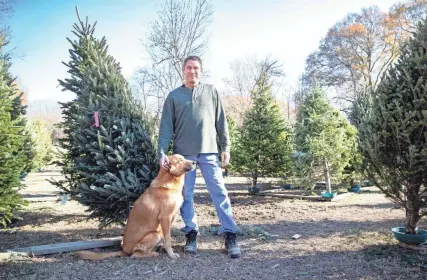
193	116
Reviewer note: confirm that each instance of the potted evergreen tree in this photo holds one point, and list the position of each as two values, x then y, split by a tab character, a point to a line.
324	139
264	142
394	135
352	174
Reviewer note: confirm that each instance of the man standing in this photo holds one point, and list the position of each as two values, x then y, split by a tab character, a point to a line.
193	116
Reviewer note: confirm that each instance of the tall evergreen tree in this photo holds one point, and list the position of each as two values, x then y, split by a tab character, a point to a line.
324	139
394	130
110	159
18	113
264	142
12	155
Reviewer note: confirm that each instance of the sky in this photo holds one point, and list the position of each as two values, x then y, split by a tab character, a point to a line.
287	30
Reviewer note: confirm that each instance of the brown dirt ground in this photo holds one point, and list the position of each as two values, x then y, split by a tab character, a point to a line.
349	239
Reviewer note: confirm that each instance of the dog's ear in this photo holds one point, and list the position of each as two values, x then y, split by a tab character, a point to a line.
172	168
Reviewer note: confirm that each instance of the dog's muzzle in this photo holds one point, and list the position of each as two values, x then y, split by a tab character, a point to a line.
191	167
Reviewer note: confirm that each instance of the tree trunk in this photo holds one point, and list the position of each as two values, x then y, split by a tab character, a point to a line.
254	179
327	178
413	206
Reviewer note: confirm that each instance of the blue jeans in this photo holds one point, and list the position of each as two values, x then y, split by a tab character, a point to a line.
212	173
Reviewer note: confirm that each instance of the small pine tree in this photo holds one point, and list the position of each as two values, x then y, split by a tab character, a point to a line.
324	139
110	159
394	131
264	142
12	156
43	147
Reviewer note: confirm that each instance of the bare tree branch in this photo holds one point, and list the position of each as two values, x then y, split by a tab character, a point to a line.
6	11
246	76
355	52
408	14
179	31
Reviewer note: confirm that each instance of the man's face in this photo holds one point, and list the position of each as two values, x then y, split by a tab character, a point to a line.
192	70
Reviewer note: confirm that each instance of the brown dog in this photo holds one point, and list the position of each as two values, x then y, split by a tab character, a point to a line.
151	217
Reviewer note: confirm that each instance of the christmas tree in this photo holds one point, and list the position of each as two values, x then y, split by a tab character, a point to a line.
13	158
264	142
109	157
18	115
232	134
324	139
43	147
394	130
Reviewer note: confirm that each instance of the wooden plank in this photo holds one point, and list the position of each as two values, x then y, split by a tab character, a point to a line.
308	197
272	190
66	247
42	198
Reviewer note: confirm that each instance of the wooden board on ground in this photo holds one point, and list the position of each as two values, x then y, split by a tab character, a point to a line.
62	247
307	197
43	198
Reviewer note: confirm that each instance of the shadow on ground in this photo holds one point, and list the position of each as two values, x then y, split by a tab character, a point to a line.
371	262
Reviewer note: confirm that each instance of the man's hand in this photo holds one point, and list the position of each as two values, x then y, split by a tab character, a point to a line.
164	162
225	158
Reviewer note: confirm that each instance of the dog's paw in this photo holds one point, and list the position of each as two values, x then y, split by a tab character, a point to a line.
174	255
154	254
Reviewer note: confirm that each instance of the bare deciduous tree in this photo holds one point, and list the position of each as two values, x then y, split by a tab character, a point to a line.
6	10
246	76
179	31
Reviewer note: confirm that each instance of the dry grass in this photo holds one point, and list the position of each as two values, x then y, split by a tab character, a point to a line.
349	239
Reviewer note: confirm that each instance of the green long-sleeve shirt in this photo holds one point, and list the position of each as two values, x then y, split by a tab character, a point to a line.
193	117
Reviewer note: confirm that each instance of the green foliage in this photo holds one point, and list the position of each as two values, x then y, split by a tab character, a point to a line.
394	130
352	173
12	156
324	139
18	115
109	160
232	132
263	144
43	147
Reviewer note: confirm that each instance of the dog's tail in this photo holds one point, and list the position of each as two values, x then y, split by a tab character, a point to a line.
94	256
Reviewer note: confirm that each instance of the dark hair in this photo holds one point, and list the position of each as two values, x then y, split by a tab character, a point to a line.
195	58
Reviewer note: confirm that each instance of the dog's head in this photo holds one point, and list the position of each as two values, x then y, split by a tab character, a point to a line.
179	165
